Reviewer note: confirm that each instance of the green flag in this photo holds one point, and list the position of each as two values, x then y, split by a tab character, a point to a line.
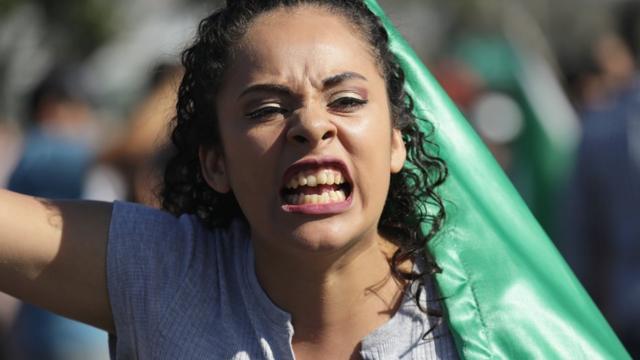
507	291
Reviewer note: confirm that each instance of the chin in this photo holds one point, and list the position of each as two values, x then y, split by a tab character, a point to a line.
324	236
320	245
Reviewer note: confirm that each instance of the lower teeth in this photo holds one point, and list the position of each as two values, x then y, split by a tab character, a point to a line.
324	198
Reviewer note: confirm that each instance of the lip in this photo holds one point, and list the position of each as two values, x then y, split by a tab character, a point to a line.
319	209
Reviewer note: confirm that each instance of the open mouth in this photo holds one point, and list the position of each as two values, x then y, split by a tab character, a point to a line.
318	185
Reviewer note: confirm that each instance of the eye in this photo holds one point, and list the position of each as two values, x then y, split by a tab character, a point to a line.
347	103
266	112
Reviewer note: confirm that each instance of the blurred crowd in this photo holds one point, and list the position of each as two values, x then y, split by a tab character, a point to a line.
564	124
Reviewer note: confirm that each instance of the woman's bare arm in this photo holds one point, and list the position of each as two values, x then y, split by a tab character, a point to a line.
53	254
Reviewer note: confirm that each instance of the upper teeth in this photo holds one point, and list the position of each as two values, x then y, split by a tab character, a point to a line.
315	178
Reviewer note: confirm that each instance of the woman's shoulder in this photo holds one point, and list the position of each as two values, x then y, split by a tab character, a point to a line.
151	247
167	274
137	221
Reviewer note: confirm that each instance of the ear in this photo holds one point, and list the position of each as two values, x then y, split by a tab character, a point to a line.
398	151
213	169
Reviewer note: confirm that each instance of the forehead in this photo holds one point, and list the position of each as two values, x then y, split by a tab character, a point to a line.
304	42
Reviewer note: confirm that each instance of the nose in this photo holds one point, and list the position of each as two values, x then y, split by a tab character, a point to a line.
311	127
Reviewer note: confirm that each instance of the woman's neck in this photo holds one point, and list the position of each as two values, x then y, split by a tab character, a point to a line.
335	299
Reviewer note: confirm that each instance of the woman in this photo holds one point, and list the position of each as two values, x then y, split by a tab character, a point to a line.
299	220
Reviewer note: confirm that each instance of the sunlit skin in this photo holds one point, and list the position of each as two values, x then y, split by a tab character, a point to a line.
299	92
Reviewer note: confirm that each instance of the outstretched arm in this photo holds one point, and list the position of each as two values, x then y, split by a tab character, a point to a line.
53	254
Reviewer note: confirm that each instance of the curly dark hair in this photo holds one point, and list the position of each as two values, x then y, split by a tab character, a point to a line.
412	199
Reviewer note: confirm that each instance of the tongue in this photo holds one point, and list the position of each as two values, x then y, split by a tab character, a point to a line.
307	190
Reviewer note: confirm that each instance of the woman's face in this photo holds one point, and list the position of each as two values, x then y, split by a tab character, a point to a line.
308	146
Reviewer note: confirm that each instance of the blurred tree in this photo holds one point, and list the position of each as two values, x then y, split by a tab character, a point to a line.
7	5
78	26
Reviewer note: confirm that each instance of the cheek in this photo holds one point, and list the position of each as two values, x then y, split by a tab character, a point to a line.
373	164
371	130
251	160
248	146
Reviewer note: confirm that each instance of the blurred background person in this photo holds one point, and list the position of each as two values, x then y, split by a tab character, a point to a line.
142	151
602	229
57	149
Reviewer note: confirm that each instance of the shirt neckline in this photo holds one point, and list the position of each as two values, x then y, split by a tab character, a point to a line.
269	310
377	340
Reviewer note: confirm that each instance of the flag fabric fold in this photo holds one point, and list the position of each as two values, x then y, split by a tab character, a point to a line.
507	292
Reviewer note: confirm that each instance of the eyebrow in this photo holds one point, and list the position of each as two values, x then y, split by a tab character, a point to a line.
286	91
275	88
337	79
